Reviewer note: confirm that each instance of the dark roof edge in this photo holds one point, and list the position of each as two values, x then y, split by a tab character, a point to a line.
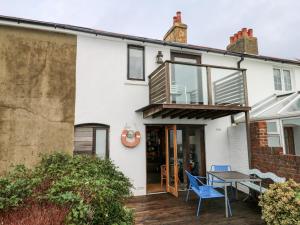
143	39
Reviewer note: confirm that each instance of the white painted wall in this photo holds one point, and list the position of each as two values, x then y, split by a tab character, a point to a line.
103	95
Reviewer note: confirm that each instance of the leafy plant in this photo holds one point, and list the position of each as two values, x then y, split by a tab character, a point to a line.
281	204
93	189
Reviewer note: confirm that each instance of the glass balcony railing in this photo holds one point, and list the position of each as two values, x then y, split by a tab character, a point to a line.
186	83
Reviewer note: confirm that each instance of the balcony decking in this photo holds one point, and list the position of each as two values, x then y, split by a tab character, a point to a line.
166	209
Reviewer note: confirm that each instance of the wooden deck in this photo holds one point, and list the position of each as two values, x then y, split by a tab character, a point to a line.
166	209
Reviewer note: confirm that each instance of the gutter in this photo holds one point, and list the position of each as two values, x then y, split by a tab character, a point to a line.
63	27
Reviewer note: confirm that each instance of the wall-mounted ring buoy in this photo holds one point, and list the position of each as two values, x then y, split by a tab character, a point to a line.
130	139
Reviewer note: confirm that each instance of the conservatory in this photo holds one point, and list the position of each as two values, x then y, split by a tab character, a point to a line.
282	116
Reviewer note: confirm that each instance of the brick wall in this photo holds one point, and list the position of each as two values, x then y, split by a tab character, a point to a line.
270	159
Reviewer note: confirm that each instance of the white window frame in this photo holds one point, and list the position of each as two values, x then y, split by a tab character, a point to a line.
283	90
274	134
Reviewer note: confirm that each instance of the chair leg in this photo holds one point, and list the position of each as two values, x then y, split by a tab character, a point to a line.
187	196
199	204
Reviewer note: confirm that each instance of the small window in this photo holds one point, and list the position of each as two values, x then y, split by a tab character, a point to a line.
91	139
136	70
282	80
273	134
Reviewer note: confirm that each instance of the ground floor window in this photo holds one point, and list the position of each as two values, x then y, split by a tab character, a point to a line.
284	133
92	139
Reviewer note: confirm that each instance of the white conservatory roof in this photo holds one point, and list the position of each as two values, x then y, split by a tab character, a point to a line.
274	107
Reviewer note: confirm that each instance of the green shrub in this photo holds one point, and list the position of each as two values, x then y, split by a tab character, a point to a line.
281	204
93	189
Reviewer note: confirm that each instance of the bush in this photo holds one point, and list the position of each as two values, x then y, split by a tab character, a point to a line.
93	189
281	204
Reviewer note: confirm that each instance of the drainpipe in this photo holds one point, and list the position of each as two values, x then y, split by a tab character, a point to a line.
239	67
247	122
240	61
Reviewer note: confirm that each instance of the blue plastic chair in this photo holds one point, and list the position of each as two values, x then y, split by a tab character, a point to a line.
218	168
202	190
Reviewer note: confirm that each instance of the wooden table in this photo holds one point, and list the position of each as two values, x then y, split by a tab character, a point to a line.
230	177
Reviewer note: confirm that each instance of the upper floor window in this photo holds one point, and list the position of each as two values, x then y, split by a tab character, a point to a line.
282	80
136	65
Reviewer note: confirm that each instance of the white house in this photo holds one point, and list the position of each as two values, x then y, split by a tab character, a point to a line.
192	90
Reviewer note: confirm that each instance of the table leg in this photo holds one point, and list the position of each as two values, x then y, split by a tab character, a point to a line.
226	200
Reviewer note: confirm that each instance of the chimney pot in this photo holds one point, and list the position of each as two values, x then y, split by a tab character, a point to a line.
174	19
239	34
178	15
235	37
244	32
250	32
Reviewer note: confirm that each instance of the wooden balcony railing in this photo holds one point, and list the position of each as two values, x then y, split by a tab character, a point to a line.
187	83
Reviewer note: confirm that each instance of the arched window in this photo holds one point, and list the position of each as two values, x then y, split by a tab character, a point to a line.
92	139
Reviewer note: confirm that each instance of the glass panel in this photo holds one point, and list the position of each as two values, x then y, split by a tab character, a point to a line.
83	140
171	158
274	141
287	80
294	107
186	84
101	143
194	151
272	127
275	109
136	63
180	155
277	79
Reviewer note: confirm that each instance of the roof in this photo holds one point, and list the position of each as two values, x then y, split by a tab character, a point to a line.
143	39
274	107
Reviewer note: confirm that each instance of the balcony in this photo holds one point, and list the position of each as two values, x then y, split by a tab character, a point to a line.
185	90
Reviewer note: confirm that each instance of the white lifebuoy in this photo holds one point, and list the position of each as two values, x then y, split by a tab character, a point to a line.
130	139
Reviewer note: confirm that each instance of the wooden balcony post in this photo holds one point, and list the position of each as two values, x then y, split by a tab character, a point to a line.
209	89
167	69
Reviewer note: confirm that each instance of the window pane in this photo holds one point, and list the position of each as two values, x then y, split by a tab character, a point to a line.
294	107
274	141
287	80
101	143
272	127
83	140
277	79
136	63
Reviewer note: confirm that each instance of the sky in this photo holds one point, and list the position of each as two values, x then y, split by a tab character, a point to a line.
276	23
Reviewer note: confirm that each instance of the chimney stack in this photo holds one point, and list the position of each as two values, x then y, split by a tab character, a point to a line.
178	32
243	42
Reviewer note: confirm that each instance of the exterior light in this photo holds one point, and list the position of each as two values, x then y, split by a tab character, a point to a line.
159	58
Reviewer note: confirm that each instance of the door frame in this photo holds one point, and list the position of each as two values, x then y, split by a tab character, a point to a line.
202	171
170	189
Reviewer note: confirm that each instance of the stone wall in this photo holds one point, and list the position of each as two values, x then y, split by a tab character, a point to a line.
269	159
37	94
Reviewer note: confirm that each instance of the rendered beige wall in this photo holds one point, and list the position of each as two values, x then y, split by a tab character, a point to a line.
37	94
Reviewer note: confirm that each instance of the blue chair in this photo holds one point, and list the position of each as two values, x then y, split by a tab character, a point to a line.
218	168
202	190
